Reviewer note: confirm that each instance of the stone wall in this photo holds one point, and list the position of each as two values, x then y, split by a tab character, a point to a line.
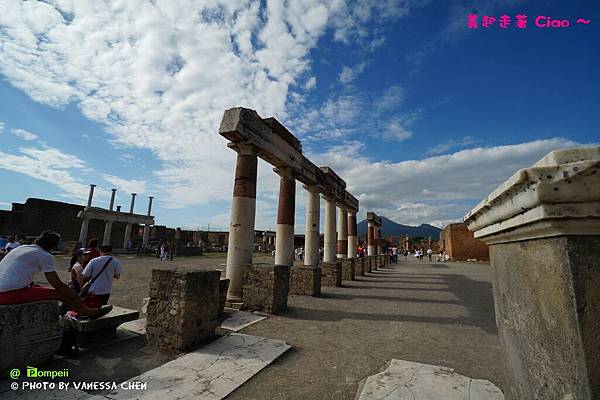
547	299
29	334
305	280
347	269
360	266
265	287
331	273
183	308
461	245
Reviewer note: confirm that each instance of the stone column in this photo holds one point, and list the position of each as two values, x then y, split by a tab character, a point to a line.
241	228
330	237
352	238
371	248
284	232
342	232
312	240
146	233
112	199
84	231
543	230
91	195
107	232
377	240
132	202
127	236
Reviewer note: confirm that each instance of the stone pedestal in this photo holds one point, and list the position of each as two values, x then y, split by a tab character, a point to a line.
360	266
305	280
368	263
266	287
183	308
331	273
29	334
347	269
543	231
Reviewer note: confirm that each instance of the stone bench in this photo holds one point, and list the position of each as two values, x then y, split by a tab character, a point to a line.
29	334
92	331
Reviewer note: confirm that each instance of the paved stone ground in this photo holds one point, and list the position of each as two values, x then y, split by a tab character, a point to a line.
437	313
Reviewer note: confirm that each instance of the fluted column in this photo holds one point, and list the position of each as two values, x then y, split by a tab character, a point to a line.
371	249
342	232
311	237
107	233
241	228
352	238
84	231
284	233
330	237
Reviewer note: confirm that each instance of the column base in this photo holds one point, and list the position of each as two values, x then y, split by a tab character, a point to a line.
331	273
266	287
305	280
347	269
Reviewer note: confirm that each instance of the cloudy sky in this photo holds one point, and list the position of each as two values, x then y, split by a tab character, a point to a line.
420	115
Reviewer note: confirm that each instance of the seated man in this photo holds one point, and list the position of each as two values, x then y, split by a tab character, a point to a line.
18	268
101	270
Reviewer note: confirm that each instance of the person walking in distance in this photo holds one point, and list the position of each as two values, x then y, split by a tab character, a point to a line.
102	270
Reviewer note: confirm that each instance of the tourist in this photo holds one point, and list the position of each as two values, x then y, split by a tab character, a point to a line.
92	247
19	267
441	255
11	245
395	255
101	271
429	253
164	251
78	263
405	254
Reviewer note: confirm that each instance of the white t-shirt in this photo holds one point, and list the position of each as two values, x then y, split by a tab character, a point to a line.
102	284
18	267
429	251
394	250
11	246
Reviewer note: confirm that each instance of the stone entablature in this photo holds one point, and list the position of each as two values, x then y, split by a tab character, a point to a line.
558	195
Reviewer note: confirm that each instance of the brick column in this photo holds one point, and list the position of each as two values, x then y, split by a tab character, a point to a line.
342	232
284	236
330	239
241	228
352	238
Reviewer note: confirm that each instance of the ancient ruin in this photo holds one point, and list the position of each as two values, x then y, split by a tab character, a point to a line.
543	230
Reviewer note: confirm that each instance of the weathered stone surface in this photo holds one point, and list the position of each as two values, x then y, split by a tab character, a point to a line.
223	287
29	334
410	380
360	266
305	280
547	299
100	330
331	273
368	263
347	269
266	287
183	308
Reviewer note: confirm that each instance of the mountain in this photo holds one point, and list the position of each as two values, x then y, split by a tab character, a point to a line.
391	228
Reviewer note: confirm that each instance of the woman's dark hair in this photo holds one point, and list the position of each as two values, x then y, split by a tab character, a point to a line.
48	240
93	243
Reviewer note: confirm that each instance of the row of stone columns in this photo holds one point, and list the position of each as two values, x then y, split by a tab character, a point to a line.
373	234
109	222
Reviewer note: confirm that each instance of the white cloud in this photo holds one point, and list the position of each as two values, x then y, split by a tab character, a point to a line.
47	164
126	185
451	145
311	83
23	134
435	189
349	74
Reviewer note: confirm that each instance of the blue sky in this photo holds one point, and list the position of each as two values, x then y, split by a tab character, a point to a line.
421	116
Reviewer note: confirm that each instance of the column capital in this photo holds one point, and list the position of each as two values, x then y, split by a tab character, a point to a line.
243	148
285	172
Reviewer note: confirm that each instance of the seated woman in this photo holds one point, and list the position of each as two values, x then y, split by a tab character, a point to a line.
19	267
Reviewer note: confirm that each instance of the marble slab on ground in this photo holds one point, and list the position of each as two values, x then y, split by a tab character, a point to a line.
405	380
239	320
137	326
211	372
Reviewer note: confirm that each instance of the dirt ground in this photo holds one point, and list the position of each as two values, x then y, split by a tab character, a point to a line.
436	313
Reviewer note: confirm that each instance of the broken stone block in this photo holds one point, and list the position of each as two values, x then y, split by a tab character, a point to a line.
265	287
331	273
305	280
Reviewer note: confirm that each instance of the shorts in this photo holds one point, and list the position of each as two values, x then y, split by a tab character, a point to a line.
27	295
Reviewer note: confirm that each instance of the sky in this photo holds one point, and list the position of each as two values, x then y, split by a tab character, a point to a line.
420	115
